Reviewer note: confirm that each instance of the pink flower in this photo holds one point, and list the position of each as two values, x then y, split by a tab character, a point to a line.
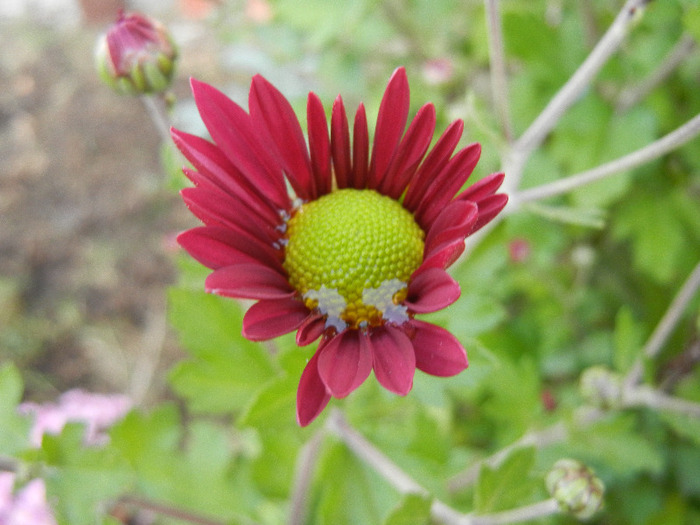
26	507
347	244
97	411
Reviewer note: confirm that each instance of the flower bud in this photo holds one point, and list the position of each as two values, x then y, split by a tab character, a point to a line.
576	488
136	56
601	387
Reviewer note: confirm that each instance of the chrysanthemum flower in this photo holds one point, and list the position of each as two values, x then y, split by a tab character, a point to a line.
341	243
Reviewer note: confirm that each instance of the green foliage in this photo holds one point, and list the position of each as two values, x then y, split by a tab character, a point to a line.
507	485
348	491
226	367
81	478
15	428
414	509
597	269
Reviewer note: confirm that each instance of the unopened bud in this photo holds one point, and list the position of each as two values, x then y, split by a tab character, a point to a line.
576	488
601	387
136	56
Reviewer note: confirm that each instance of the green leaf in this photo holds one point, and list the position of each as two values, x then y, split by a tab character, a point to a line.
659	236
628	340
186	470
82	479
349	492
513	397
620	135
618	444
414	509
14	435
274	405
685	426
691	21
506	486
228	369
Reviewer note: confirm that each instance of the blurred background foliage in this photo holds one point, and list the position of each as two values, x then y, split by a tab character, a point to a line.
556	288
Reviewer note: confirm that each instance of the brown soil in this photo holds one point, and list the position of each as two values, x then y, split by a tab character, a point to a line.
87	220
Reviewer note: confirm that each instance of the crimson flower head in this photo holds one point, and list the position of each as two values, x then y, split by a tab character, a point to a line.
343	243
137	55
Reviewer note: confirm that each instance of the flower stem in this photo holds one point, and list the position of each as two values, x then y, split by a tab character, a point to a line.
304	473
653	398
656	149
405	484
514	161
499	82
166	510
539	439
367	452
583	76
639	90
158	115
666	325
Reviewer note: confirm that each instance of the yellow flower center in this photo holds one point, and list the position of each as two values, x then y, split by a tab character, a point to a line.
350	255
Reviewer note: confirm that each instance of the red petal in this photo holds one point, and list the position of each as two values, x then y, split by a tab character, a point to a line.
360	150
441	256
215	247
212	206
437	351
210	237
483	188
340	144
248	281
410	152
274	118
218	170
489	208
344	362
311	329
391	123
268	319
394	361
232	130
431	290
319	144
455	222
447	184
312	397
433	164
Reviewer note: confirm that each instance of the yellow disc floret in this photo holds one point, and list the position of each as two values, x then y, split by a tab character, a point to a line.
350	255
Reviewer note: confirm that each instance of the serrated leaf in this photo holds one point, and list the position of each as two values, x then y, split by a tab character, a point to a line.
414	509
658	236
228	369
506	486
82	479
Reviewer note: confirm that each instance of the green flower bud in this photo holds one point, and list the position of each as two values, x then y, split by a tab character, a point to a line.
136	56
601	387
576	488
